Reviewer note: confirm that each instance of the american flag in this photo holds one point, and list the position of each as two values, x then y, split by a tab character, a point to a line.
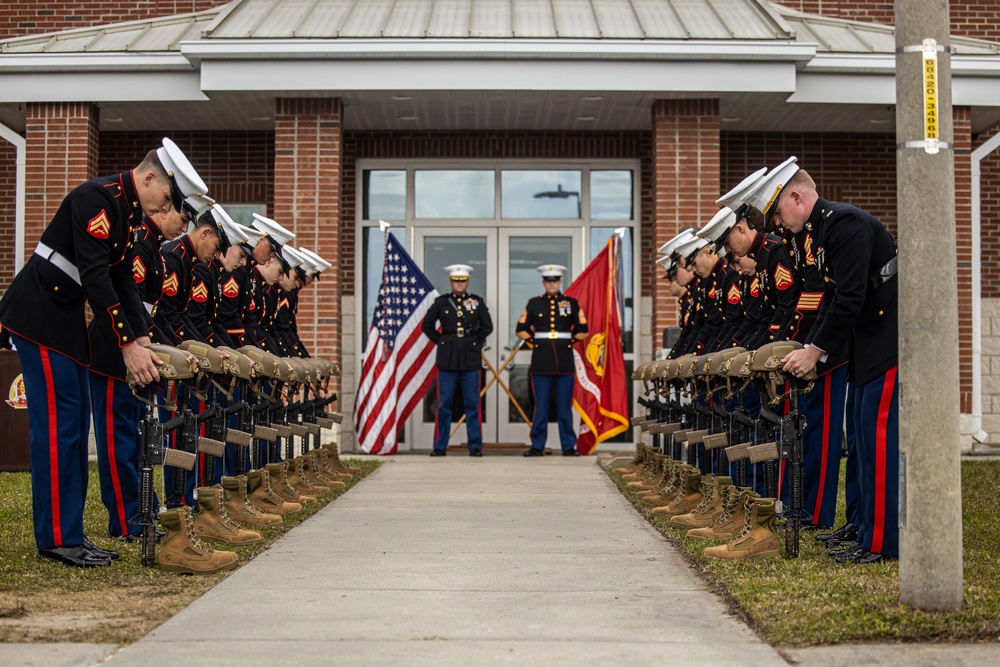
398	363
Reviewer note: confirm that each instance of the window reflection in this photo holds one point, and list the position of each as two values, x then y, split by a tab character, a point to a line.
453	193
611	194
384	195
540	194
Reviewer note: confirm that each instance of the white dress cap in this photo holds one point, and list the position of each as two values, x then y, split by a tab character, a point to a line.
292	256
717	230
734	197
233	232
688	249
765	194
317	261
183	176
272	230
198	204
459	272
552	270
670	246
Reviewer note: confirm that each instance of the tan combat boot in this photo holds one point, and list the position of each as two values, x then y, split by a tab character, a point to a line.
337	462
640	455
313	470
652	477
730	522
708	509
687	499
240	509
212	522
672	489
280	485
184	552
644	468
297	478
758	539
666	478
263	496
329	467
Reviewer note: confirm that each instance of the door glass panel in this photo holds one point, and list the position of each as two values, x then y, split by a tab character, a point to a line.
540	194
439	252
527	253
598	239
383	194
454	193
610	194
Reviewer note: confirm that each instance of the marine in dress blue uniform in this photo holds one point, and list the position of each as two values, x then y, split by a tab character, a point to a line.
82	258
465	324
552	322
856	256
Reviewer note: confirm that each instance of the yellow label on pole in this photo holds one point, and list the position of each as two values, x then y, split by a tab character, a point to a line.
931	127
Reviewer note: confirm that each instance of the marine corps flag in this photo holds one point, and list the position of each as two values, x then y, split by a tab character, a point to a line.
600	394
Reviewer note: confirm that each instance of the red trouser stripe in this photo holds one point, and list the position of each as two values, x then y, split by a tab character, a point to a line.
116	484
824	453
53	446
885	401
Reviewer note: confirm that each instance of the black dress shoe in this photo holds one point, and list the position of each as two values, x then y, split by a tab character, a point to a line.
137	536
435	452
534	452
843	535
870	557
853	555
850	548
571	452
98	551
476	452
73	556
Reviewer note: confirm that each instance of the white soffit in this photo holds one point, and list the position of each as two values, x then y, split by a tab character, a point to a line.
125	86
311	75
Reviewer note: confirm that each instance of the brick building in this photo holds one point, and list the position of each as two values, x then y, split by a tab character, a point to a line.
503	133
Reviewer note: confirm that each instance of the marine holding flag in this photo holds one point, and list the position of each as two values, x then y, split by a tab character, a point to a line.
398	363
600	394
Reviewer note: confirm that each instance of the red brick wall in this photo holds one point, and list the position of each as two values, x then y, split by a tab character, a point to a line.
686	166
308	154
238	167
989	195
485	146
969	18
62	148
31	18
7	232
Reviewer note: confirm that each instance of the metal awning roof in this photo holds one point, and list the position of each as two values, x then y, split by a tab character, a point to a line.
721	20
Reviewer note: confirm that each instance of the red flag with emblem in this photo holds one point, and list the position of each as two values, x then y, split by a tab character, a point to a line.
600	395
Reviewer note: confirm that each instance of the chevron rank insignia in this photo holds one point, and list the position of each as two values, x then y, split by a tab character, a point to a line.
782	278
99	225
755	288
200	293
733	296
170	285
231	288
138	270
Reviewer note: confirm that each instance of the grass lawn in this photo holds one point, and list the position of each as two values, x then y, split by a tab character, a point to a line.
813	600
42	601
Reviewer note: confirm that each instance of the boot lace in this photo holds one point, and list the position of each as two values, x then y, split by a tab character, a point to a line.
707	494
196	542
747	512
729	504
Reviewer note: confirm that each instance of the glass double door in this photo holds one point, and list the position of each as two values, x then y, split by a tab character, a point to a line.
505	263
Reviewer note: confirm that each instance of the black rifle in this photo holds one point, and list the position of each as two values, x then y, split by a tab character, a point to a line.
791	450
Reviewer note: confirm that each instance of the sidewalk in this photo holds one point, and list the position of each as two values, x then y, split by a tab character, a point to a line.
462	561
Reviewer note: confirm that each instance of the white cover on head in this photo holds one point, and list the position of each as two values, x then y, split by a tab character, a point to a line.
459	271
269	227
766	192
734	197
552	270
685	249
177	165
200	203
292	256
671	245
317	261
717	226
234	232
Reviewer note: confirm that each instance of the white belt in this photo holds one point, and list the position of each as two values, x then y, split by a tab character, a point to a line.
552	335
150	307
63	264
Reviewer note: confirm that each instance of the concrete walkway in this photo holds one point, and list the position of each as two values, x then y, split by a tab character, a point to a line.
462	561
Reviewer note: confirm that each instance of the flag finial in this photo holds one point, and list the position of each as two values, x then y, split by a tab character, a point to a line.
383	225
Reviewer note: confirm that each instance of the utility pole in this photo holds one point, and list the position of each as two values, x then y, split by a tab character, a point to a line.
930	502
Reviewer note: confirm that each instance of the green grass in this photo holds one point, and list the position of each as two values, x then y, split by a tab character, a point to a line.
813	600
43	601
